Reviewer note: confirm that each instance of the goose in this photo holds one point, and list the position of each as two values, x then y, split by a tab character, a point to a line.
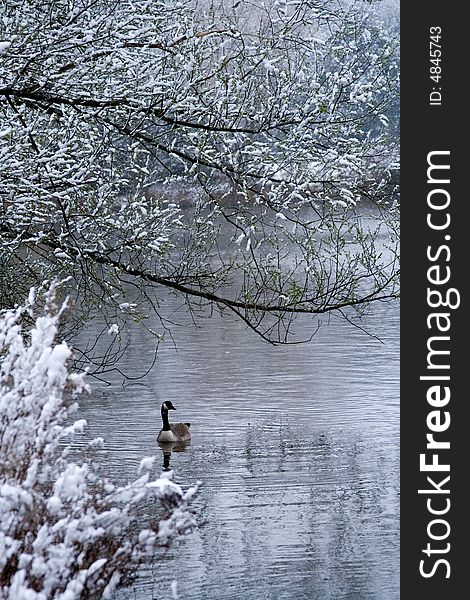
178	432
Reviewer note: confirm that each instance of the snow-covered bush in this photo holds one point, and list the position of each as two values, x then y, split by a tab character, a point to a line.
65	531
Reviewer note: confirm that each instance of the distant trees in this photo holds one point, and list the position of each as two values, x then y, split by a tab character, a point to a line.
65	530
273	118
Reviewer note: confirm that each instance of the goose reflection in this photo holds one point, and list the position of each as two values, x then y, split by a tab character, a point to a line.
168	448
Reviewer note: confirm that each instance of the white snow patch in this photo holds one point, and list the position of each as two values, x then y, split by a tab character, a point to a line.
146	464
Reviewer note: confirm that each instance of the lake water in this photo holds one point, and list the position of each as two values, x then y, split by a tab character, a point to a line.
297	449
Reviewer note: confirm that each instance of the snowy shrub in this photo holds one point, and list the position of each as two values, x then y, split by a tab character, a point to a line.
65	531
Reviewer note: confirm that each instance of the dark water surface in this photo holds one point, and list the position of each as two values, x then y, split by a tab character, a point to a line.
297	449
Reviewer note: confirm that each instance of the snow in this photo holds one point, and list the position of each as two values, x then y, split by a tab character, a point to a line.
96	566
127	306
56	362
146	464
70	484
54	504
269	65
4	46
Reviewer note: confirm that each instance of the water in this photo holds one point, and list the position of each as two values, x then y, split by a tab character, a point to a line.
297	449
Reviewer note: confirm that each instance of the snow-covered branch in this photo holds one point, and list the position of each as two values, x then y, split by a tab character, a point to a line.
277	122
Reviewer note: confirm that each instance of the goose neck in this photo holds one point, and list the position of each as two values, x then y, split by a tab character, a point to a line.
166	422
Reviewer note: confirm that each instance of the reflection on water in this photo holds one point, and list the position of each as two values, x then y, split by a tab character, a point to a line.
168	448
297	451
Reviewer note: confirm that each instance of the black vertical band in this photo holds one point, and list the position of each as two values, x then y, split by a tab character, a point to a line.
434	310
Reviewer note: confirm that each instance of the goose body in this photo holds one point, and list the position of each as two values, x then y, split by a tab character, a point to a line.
177	432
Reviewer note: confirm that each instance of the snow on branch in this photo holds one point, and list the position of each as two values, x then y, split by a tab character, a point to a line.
143	141
65	531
